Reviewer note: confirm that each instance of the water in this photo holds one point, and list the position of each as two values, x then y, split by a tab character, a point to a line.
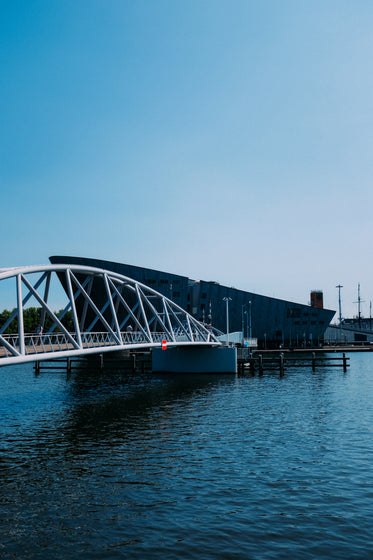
211	467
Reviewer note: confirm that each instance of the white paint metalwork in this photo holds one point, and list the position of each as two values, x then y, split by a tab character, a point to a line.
109	312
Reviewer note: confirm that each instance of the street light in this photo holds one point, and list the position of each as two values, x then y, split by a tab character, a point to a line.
340	311
227	300
243	322
250	332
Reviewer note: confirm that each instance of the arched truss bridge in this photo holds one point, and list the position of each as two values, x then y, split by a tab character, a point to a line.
99	311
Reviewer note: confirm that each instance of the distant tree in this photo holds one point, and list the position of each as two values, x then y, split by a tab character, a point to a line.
31	319
67	320
4	316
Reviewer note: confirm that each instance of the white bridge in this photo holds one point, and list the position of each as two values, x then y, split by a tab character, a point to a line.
100	311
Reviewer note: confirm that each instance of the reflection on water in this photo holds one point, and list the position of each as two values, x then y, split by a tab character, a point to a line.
107	465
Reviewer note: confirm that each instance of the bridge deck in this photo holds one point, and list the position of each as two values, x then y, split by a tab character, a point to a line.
59	346
52	348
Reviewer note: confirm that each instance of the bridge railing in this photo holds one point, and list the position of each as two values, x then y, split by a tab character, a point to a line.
58	342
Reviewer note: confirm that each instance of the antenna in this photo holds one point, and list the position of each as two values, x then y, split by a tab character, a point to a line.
359	301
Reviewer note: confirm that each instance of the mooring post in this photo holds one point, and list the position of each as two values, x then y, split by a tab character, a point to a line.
68	365
260	358
313	361
344	363
101	362
252	365
282	364
37	368
133	362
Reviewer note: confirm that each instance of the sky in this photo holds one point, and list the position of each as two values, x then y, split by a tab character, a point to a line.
226	140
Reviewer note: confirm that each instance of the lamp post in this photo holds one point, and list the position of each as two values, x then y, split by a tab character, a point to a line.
227	300
250	332
340	311
243	323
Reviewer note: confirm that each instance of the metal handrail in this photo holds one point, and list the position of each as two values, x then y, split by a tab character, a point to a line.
57	342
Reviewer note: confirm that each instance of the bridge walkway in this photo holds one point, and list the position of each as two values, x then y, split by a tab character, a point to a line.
126	313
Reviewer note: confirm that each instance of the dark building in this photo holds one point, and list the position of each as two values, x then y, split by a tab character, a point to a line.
272	321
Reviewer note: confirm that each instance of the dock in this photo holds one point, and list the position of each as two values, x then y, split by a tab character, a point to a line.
274	360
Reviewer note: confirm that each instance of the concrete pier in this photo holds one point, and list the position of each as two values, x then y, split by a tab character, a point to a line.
196	359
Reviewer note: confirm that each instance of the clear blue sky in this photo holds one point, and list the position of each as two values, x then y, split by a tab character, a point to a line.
224	140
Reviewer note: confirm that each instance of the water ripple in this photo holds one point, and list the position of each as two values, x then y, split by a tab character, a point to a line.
107	466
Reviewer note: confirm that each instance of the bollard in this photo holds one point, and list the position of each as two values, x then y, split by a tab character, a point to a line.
344	363
37	368
282	364
260	358
313	361
252	366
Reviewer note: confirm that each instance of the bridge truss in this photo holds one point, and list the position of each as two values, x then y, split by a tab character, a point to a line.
99	311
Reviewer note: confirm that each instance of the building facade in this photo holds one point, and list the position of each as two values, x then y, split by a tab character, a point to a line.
274	322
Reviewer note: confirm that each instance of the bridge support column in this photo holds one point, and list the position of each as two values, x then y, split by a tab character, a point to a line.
198	359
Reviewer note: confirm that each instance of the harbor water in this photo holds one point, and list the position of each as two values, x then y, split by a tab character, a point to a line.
106	465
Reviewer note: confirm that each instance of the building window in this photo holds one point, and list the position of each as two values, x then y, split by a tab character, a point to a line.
176	294
360	337
163	281
204	295
293	312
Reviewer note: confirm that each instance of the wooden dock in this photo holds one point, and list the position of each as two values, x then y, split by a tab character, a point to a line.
280	361
131	362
